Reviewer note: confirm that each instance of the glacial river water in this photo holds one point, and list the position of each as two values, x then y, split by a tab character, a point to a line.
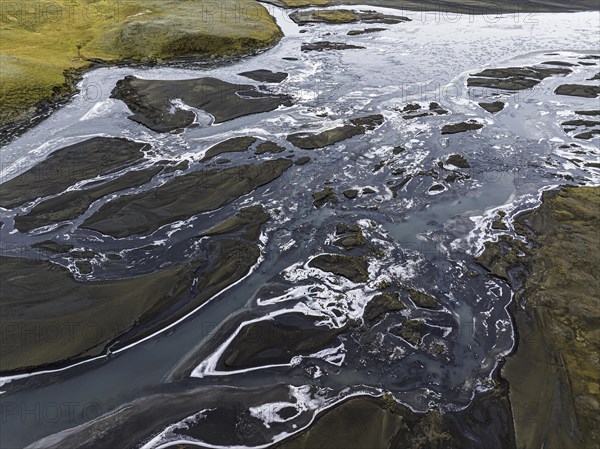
427	237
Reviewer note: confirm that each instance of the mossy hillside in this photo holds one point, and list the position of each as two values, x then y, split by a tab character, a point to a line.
561	295
554	374
392	425
299	3
45	44
180	28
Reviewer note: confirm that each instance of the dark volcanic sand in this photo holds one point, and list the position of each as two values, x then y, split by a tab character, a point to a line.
365	31
461	127
339	16
309	141
276	341
73	203
578	90
181	198
108	308
488	7
351	267
493	107
65	167
123	310
326	45
230	250
513	78
265	76
136	421
151	101
233	145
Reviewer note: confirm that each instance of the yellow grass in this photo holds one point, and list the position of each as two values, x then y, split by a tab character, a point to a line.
39	41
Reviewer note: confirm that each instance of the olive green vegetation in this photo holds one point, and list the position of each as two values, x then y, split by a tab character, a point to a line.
44	45
381	304
421	299
340	16
308	141
359	423
351	237
554	374
328	16
412	331
327	195
269	147
383	423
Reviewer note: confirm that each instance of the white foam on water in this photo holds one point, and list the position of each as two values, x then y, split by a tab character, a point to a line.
302	398
102	108
183	424
430	49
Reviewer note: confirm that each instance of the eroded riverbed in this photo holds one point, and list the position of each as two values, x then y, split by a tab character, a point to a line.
416	176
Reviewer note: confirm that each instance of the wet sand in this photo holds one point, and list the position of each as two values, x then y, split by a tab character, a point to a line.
410	318
152	101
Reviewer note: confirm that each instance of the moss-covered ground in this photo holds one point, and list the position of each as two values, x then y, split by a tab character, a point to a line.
554	374
45	44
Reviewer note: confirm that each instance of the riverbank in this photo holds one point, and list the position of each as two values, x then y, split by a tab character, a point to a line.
138	306
485	423
393	190
456	6
38	74
554	373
